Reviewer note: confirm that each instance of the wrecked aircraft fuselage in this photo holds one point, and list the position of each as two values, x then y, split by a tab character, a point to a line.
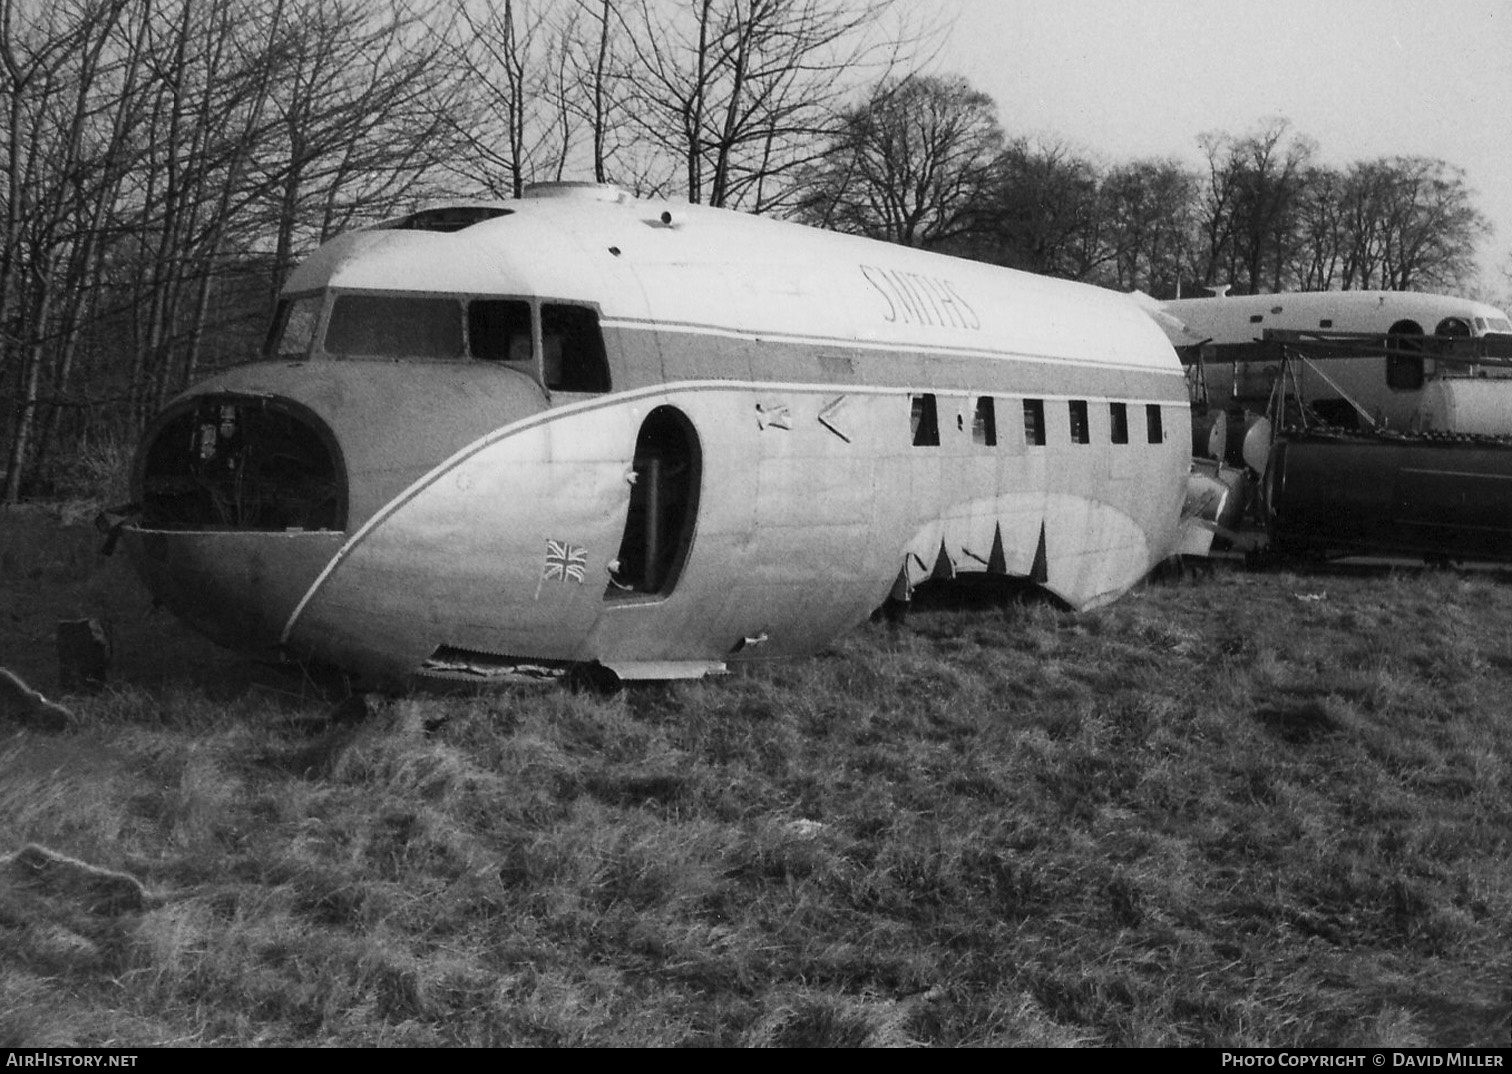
589	430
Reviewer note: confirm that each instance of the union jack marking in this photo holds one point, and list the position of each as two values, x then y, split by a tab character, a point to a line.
564	562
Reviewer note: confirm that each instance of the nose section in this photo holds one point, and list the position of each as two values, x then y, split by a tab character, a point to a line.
244	501
231	462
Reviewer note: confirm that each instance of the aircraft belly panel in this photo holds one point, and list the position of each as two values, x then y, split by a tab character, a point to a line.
258	576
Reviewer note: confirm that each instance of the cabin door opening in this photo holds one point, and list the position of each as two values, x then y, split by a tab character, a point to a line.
663	507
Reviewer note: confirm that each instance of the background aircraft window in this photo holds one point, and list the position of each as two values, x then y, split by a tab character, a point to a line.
1034	422
294	327
1457	328
1404	358
572	349
926	425
1336	412
1080	433
395	326
1118	421
498	329
984	423
1154	428
1404	372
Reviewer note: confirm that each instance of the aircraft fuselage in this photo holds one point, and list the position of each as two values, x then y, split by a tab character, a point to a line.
591	430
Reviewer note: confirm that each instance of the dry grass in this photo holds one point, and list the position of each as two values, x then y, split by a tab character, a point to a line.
1261	809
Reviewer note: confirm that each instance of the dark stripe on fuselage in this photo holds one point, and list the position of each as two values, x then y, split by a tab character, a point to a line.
644	357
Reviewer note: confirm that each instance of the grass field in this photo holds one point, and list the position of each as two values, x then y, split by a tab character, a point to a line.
1252	809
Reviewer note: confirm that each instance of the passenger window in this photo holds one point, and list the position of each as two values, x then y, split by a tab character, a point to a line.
1034	422
572	350
1079	429
924	421
498	330
1118	422
984	423
1154	427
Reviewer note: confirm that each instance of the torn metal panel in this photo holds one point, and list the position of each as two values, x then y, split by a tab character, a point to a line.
458	665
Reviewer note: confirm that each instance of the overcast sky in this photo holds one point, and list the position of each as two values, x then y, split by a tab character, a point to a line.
1124	79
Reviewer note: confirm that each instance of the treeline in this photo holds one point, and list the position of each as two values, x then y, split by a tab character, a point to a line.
925	162
165	162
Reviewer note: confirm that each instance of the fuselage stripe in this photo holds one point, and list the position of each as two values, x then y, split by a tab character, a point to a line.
936	350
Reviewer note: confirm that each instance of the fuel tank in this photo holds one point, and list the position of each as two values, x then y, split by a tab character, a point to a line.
1435	495
1477	405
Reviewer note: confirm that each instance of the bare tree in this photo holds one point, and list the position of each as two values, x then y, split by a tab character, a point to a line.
504	126
912	165
357	119
743	92
58	167
1252	204
1323	232
1150	205
1046	214
151	149
1394	222
1430	228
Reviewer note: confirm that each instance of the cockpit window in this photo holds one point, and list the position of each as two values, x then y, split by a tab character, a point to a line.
498	330
569	357
395	326
295	326
1498	324
573	349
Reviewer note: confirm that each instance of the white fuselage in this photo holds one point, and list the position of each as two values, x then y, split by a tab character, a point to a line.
788	427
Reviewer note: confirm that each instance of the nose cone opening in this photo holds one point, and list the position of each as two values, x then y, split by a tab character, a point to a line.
243	503
241	463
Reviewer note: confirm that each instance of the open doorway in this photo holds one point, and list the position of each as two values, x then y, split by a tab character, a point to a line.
663	507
